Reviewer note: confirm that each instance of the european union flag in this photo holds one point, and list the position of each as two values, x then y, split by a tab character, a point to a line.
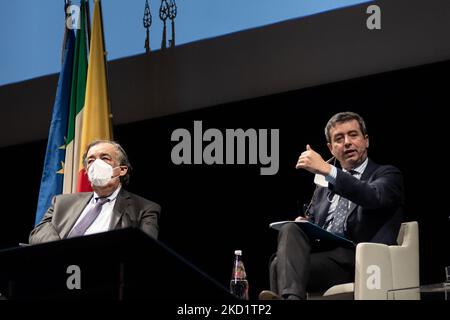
53	172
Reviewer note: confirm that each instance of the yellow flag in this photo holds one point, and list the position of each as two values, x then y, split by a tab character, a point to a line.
96	122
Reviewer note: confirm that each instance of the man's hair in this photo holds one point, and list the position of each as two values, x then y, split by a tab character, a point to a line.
344	117
123	158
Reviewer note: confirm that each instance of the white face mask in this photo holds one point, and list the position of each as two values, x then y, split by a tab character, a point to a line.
100	173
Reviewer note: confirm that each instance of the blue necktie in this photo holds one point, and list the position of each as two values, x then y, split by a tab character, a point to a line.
338	217
88	219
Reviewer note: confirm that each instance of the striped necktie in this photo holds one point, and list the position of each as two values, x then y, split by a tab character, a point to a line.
88	219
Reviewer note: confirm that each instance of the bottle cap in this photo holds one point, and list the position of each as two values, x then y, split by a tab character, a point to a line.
238	252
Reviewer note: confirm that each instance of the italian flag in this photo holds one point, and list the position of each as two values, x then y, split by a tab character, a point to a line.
90	112
78	90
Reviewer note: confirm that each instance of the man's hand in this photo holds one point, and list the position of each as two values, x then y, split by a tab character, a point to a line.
313	162
301	218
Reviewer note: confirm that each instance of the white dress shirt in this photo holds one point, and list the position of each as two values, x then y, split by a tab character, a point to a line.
103	220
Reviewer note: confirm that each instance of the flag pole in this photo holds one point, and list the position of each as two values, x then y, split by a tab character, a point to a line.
88	23
66	5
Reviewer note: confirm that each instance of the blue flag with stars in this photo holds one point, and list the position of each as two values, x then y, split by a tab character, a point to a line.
53	172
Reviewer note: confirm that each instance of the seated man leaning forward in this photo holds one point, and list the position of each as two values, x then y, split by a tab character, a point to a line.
361	201
109	207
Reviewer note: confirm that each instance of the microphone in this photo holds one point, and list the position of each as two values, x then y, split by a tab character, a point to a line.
307	213
331	159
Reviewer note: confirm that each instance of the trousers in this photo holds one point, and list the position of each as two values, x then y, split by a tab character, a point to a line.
300	265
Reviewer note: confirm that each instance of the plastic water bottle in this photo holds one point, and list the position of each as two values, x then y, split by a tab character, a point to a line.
239	283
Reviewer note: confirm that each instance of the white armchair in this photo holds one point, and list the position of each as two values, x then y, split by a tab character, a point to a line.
385	272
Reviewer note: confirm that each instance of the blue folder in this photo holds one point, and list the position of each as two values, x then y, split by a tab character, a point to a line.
316	233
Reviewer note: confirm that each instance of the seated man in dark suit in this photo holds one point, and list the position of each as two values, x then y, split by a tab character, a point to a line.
109	207
361	200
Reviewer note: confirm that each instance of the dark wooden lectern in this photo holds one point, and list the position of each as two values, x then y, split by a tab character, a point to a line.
119	265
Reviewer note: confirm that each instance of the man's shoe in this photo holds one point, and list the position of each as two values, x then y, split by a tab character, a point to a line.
268	295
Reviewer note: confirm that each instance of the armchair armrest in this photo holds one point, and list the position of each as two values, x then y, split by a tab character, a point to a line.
373	271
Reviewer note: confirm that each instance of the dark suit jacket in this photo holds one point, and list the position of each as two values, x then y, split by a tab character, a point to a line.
130	210
377	209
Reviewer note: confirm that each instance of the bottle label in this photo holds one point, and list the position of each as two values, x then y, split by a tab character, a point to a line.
239	271
239	283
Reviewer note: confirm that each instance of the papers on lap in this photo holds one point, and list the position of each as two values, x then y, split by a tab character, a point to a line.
315	232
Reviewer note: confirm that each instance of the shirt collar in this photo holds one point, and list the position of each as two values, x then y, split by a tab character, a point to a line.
360	169
111	197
